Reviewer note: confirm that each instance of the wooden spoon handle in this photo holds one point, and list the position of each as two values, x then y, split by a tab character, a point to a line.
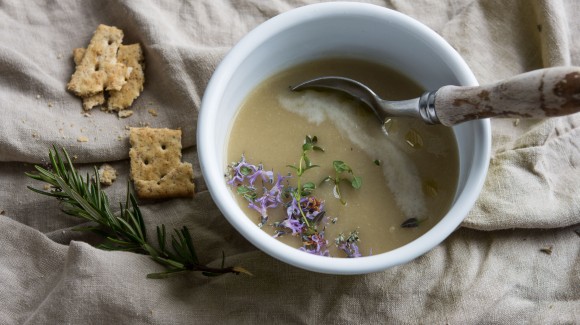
536	94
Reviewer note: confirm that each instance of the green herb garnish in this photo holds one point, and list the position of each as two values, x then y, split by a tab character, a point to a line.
303	165
341	168
349	244
125	230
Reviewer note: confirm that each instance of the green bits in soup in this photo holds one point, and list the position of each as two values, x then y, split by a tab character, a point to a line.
318	171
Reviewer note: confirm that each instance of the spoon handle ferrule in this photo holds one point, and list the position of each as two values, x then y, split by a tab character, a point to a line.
427	108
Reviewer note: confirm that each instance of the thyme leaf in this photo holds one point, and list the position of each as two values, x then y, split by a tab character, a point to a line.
125	230
340	168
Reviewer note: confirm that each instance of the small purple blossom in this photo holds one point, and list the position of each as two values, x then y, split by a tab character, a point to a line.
315	244
241	170
293	210
269	200
266	175
351	249
295	225
312	207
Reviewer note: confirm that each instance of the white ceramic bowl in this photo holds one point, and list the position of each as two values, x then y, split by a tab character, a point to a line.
338	29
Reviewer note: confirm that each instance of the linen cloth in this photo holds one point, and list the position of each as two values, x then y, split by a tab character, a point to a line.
491	270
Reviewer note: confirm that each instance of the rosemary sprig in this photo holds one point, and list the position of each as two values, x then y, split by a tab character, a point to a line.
125	230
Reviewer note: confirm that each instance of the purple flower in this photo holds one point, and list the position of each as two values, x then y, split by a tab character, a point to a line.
293	210
312	207
266	175
315	244
295	225
269	200
351	249
241	170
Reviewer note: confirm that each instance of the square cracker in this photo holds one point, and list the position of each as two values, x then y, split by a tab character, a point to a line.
132	57
99	69
156	167
90	101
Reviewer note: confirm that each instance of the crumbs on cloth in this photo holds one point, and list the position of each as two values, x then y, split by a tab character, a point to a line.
156	167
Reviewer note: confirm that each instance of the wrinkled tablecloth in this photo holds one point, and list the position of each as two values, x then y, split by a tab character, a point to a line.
494	269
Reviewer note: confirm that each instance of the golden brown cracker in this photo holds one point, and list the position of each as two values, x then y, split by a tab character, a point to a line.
156	167
99	69
132	57
90	101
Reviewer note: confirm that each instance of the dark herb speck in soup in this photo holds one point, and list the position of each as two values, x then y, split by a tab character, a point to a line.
371	190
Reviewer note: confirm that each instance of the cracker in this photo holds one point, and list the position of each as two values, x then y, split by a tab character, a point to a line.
99	69
156	167
90	101
132	57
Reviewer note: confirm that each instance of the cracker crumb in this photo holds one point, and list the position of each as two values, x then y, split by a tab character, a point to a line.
107	174
152	111
46	187
82	138
49	104
125	113
87	114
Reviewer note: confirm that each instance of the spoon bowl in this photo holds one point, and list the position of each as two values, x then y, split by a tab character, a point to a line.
536	94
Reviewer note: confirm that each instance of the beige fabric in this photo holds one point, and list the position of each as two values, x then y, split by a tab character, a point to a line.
486	272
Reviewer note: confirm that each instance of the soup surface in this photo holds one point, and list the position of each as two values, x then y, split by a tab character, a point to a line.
407	171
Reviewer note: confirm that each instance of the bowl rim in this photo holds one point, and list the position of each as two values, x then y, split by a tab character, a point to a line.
212	172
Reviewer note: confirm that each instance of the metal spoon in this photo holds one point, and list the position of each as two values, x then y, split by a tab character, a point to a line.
536	94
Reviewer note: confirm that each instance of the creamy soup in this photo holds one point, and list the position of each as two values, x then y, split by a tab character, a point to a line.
395	182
